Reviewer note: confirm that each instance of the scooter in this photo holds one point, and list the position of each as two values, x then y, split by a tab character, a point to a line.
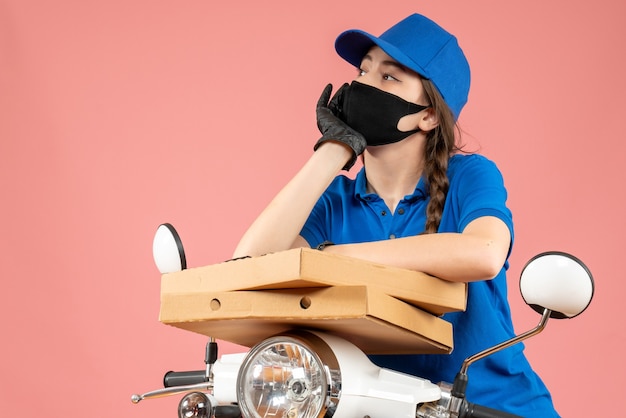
311	374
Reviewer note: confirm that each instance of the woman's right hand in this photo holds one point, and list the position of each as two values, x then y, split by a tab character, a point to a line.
333	128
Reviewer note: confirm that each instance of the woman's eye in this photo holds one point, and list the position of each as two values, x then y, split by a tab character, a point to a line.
361	72
389	77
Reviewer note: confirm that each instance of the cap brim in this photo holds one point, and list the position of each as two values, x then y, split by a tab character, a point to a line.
353	44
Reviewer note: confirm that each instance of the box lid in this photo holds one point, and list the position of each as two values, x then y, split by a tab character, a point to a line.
305	267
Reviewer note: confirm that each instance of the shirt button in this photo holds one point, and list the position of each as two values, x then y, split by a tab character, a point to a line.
401	211
383	213
392	236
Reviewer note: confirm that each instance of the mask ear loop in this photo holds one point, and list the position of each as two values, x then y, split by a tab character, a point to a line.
418	129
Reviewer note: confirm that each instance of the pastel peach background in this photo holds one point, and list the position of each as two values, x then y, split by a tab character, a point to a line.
118	115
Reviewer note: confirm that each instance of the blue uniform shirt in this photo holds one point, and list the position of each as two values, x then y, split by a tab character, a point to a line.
346	213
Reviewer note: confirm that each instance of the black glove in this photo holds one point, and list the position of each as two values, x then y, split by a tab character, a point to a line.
333	128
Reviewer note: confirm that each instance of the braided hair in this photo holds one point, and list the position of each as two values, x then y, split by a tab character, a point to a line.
440	145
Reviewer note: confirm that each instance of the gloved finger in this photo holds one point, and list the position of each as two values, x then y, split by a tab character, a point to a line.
336	103
337	99
323	100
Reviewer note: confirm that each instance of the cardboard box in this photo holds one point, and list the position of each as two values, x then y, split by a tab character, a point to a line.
373	321
304	267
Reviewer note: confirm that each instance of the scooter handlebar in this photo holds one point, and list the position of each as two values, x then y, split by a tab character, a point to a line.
184	378
477	411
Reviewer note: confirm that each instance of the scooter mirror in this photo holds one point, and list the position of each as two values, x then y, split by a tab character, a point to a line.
559	282
167	250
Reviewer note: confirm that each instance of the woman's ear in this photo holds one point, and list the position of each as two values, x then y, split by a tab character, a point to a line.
429	120
425	120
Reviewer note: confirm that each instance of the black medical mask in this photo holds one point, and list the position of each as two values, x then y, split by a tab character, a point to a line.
375	113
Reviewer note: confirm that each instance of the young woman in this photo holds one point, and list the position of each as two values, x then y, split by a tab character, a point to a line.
417	203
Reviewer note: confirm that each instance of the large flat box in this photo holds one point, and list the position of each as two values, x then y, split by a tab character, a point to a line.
304	268
373	321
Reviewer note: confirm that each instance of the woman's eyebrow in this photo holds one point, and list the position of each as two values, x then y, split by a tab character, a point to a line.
394	64
390	63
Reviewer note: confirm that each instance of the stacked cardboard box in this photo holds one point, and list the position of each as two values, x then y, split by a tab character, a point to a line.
380	309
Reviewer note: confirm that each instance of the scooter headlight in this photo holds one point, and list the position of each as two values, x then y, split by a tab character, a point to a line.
285	377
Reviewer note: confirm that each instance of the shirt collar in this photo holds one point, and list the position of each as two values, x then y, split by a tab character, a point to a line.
360	189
